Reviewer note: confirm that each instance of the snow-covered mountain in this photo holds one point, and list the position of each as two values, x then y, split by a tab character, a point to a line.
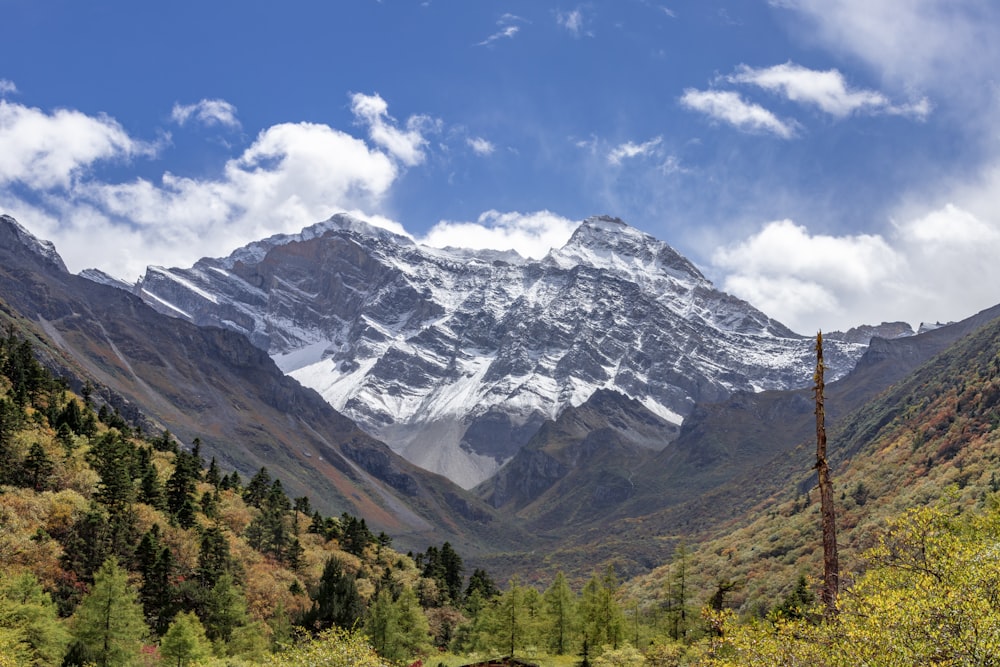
455	357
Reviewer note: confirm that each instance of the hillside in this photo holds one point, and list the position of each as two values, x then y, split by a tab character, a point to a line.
211	383
930	439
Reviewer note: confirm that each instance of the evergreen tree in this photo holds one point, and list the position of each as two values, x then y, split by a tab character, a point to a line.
560	615
36	468
214	558
678	597
482	584
257	488
29	612
451	568
355	535
150	489
601	615
225	609
72	417
336	601
88	543
112	457
185	642
109	619
382	624
181	488
212	476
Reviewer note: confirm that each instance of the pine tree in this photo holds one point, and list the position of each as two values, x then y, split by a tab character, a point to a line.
181	488
214	558
560	614
225	608
451	566
109	620
257	488
212	475
28	610
482	584
36	468
112	458
603	621
336	601
185	642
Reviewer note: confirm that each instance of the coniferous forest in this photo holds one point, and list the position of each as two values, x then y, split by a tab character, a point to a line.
123	547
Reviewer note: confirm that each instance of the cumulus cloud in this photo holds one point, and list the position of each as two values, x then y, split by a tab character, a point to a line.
291	175
827	90
630	150
206	112
938	266
480	146
530	234
7	87
44	151
729	107
405	145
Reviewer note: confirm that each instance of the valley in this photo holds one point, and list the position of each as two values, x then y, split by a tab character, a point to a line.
692	456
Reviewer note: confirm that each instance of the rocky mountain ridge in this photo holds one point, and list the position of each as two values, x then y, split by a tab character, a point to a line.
211	383
455	357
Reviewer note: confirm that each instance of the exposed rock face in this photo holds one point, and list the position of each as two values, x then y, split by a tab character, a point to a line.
455	357
212	383
863	334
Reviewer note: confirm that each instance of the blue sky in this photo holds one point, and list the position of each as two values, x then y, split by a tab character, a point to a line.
833	161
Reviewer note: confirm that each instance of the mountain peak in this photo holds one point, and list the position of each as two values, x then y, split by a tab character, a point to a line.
339	222
40	247
607	242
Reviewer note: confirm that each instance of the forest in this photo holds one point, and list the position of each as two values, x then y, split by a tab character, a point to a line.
120	547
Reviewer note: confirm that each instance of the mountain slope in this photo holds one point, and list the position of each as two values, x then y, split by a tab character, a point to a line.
213	383
931	438
729	458
456	357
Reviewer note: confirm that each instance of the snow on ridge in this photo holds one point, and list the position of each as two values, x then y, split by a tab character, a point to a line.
168	273
166	304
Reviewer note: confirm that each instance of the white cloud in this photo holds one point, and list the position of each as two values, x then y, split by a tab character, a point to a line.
729	107
480	146
7	87
571	21
45	151
827	90
405	145
941	44
631	150
292	175
530	234
206	112
508	29
938	266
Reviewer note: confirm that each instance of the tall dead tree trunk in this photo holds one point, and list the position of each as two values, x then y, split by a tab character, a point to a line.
831	566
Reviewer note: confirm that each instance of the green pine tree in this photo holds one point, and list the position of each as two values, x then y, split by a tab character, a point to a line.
109	620
185	642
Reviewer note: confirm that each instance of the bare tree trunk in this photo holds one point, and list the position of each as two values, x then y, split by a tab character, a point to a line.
831	566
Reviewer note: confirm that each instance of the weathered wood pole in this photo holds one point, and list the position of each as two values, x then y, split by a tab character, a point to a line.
831	565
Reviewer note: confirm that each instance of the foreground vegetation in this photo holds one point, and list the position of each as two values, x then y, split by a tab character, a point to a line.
119	547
